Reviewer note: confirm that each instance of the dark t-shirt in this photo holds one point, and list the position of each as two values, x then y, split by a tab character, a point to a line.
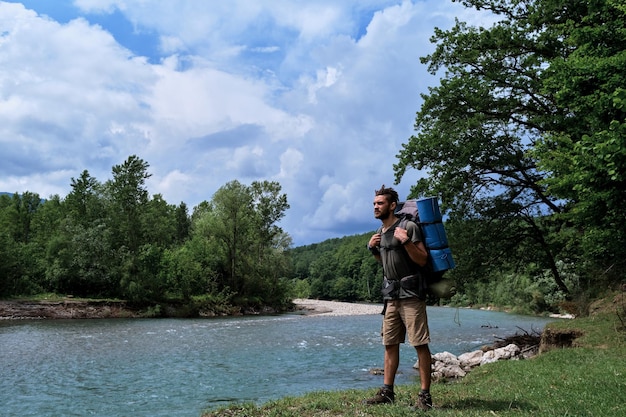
396	261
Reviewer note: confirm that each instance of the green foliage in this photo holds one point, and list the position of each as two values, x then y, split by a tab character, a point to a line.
22	248
525	135
184	273
300	288
338	269
247	248
80	260
115	240
521	294
586	160
214	303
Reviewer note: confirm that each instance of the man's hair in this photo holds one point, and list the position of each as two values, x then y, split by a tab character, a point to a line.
390	194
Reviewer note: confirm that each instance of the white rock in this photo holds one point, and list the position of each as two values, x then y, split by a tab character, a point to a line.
508	352
471	359
446	357
488	357
450	371
447	365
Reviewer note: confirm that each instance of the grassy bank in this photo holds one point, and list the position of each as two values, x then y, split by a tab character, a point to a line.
587	379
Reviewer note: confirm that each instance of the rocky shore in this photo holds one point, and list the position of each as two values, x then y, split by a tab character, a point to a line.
335	308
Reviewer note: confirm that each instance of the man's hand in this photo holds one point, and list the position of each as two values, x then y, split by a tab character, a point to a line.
401	235
374	241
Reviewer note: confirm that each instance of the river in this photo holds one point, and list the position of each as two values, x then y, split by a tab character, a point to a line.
180	367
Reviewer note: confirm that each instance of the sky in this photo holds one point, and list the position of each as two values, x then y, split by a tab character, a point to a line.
317	95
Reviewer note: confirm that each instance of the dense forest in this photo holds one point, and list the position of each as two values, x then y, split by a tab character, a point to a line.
112	240
523	141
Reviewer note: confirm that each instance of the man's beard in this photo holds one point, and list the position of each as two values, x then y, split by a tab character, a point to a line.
383	215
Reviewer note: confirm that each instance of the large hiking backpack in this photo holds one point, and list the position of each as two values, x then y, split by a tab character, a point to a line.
425	213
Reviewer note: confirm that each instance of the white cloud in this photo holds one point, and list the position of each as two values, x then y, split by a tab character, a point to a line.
325	78
290	163
175	184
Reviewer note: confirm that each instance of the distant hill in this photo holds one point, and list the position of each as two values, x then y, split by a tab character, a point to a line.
12	194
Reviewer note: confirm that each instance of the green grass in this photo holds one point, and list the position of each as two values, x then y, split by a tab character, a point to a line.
586	380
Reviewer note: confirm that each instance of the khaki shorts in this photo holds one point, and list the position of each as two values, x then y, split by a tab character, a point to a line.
402	317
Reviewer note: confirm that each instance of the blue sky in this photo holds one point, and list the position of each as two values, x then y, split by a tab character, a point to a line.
317	95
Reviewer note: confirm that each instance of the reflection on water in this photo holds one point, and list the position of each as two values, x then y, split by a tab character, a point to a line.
179	367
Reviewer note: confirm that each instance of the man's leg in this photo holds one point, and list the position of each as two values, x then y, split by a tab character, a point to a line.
424	400
392	361
425	365
385	395
393	333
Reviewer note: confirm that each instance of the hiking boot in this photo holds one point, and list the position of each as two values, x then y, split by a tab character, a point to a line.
383	396
424	401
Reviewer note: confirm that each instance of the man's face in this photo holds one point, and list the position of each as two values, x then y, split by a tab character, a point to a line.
382	208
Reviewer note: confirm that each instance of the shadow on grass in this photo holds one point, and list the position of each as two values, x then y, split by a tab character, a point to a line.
487	405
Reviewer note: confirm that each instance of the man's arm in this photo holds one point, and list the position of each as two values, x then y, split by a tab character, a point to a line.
373	245
416	250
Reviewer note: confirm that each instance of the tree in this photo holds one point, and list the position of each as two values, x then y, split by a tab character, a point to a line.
322	275
586	160
80	257
25	272
127	200
85	202
24	208
247	247
478	131
270	206
9	249
81	261
159	222
128	196
232	225
183	223
270	242
45	225
184	271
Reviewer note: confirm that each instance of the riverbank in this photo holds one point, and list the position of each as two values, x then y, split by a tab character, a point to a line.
65	309
336	308
69	308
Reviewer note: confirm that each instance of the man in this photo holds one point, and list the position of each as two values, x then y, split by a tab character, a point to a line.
402	254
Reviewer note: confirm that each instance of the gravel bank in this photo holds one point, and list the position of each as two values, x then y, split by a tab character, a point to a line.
336	308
